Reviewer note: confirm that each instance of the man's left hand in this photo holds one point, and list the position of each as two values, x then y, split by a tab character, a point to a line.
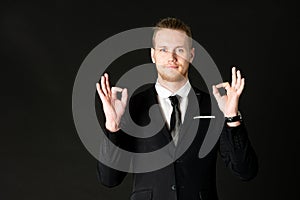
228	103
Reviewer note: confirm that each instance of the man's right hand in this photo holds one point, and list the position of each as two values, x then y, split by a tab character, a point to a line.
112	106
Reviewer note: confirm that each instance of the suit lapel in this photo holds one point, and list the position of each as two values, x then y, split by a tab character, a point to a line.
191	127
154	100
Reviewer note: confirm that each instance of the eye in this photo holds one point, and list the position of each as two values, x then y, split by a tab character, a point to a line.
180	50
163	50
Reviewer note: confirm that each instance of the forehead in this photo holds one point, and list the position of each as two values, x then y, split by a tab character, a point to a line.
170	37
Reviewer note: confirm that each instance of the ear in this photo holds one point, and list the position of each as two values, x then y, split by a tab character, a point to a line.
192	55
152	55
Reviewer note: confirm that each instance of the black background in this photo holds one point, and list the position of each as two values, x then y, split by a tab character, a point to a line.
44	44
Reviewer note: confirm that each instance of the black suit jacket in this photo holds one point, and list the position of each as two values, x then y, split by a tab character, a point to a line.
188	177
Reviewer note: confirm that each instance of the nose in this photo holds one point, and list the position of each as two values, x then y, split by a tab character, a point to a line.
172	56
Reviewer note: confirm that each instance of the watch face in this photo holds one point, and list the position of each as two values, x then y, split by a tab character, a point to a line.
234	119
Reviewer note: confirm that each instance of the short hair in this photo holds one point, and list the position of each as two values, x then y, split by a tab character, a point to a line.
172	23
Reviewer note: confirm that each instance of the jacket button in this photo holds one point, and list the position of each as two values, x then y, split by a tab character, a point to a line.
173	187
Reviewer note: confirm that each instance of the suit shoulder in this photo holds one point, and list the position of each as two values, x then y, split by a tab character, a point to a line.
143	98
143	93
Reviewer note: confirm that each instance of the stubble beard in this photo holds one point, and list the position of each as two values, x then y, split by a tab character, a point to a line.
172	75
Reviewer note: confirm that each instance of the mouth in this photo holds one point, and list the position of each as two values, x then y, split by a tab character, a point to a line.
173	66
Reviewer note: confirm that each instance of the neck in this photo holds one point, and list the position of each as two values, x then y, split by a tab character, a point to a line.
172	86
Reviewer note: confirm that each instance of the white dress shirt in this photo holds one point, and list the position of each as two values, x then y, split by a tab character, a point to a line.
165	103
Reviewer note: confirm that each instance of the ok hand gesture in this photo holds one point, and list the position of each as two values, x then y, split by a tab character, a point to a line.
228	103
113	107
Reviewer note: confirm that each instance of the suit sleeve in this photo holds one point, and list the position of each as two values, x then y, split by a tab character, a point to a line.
237	152
109	153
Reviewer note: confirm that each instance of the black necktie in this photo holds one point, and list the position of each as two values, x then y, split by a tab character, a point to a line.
175	121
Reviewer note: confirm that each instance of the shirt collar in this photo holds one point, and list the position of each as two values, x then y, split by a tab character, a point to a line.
165	93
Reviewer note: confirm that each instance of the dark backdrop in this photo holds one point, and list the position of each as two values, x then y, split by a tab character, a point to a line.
44	44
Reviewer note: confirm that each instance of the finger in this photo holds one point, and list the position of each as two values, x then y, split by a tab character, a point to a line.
103	85
114	91
238	81
225	85
240	89
124	96
216	92
100	93
233	76
107	83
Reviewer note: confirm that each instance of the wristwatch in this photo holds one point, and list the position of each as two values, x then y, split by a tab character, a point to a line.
236	118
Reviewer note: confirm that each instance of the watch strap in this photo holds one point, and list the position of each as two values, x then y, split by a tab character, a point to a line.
236	118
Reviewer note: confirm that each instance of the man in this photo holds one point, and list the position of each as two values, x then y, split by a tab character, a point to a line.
188	177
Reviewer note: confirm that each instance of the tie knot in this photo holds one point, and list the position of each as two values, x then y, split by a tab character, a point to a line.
174	100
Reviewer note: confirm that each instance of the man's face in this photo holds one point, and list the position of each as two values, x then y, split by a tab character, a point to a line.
172	55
